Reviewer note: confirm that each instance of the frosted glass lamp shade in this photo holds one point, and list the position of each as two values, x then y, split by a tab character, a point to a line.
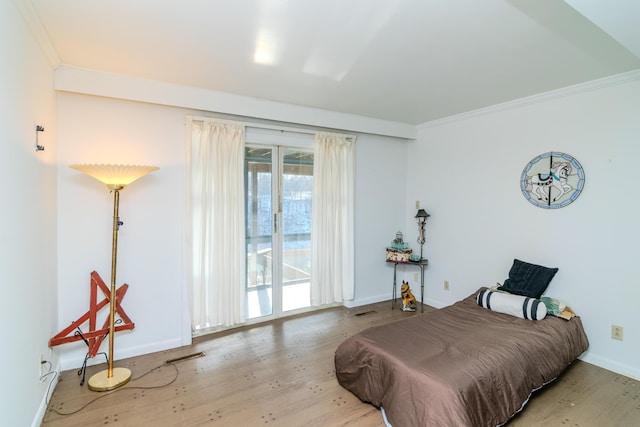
115	176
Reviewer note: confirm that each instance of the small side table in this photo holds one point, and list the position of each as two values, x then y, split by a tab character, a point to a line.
422	264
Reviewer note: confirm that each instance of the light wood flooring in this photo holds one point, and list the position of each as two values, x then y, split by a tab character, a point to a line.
281	373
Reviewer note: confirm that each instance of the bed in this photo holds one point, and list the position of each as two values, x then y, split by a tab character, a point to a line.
462	365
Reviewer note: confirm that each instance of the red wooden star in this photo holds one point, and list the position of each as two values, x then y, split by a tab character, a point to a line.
94	337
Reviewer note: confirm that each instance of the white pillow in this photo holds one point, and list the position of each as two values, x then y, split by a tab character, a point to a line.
515	305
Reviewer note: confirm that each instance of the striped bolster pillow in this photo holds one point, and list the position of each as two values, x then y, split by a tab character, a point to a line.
515	305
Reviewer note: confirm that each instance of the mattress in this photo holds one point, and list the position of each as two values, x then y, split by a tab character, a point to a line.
462	365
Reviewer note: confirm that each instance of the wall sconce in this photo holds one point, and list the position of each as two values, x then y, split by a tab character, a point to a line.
421	219
38	146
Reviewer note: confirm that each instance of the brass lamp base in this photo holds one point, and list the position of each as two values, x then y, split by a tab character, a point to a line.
102	382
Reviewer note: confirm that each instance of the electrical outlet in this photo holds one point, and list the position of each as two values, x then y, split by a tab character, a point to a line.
417	204
446	285
41	364
416	276
617	332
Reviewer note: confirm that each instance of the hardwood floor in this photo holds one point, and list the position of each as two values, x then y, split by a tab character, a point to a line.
281	373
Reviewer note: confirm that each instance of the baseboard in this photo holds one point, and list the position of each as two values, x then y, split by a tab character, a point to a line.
150	348
73	359
51	386
610	365
380	298
433	303
364	301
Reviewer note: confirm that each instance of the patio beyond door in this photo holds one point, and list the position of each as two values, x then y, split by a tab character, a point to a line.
278	183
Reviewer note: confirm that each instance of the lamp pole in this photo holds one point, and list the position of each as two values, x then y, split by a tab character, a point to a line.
114	257
112	378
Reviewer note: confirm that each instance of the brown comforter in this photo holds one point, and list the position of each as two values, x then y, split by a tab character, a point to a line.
462	365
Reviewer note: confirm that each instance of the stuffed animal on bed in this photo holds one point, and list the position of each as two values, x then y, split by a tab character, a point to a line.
408	300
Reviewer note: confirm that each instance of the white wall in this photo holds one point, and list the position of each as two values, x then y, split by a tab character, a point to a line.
95	129
380	213
105	130
467	173
28	221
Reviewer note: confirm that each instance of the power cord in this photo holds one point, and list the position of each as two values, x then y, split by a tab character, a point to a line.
126	387
44	376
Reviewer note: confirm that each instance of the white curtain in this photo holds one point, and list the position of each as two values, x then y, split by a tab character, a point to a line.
215	229
332	223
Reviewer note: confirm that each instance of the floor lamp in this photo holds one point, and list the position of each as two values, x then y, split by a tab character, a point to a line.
116	177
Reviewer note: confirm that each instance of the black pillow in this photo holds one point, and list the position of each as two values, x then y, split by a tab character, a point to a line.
529	280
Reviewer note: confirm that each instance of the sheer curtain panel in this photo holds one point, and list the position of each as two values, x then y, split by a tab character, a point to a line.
332	223
215	229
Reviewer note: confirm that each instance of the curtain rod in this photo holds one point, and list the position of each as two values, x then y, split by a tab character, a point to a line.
276	128
291	129
280	128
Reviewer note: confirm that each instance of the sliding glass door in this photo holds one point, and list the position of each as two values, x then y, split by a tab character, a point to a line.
278	189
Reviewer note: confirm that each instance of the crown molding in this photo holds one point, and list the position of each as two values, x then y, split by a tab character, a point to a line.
33	22
97	83
614	80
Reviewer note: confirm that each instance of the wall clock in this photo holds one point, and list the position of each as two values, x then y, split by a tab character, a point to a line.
552	180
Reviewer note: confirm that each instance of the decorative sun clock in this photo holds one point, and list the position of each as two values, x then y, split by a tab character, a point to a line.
552	180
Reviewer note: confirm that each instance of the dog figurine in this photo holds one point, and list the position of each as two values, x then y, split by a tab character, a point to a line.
408	300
